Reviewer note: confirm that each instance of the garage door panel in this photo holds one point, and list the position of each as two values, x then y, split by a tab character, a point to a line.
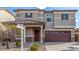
58	36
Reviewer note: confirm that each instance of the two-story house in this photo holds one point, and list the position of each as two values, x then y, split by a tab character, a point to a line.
49	26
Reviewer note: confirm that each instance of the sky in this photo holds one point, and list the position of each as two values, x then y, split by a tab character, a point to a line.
13	4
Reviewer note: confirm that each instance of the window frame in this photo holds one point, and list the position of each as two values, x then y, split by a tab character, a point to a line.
47	19
65	16
28	15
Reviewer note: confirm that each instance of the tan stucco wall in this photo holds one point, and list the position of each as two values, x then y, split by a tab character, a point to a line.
34	17
29	32
77	34
56	22
59	23
22	17
41	16
49	26
60	12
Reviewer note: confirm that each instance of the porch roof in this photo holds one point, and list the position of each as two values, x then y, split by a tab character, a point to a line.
25	22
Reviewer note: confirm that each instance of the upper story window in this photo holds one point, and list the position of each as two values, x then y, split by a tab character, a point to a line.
64	16
48	19
28	15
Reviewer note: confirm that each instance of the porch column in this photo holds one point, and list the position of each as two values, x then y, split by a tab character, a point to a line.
41	34
22	38
72	35
21	26
24	34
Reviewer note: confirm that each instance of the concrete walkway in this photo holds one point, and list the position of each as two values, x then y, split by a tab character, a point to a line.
62	46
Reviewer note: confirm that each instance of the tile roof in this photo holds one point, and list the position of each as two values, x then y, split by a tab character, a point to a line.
60	8
48	8
24	22
26	8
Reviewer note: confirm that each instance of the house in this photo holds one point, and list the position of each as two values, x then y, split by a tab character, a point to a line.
5	15
77	34
46	25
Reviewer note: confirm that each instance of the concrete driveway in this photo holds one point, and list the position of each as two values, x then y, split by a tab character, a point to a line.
62	46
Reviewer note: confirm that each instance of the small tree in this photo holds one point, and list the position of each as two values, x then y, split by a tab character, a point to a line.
9	34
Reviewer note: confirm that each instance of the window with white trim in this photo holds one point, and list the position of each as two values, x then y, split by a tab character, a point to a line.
48	19
28	15
64	16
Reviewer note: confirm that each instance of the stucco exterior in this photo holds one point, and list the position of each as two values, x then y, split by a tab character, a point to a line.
56	23
56	20
59	23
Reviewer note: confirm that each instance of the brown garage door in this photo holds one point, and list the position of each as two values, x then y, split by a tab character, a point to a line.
57	36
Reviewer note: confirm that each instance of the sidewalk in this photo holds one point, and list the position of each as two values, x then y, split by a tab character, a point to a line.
62	46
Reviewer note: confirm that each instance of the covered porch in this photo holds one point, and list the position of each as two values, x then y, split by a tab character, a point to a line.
33	30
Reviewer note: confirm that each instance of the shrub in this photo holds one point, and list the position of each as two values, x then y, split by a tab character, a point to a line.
3	44
18	43
34	47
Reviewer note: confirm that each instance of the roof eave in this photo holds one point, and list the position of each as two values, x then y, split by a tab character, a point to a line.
67	10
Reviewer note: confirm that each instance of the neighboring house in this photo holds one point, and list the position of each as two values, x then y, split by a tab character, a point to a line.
49	26
5	15
77	34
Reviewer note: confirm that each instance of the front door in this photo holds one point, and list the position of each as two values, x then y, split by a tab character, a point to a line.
37	35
